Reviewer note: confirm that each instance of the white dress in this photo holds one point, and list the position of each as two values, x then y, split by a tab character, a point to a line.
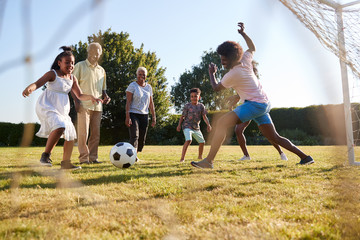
53	107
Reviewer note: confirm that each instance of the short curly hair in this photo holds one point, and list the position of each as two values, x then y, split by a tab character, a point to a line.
231	50
195	90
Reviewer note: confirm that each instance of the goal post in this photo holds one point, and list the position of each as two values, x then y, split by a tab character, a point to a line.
345	88
325	19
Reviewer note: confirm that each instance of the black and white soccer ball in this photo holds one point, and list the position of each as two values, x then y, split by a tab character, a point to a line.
123	155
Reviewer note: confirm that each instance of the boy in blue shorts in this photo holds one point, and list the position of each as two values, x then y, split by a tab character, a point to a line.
256	105
190	122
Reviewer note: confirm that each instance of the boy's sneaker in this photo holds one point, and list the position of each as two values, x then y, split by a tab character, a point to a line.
306	161
68	165
244	158
45	159
283	157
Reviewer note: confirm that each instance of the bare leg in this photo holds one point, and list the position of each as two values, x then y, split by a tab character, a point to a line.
53	139
185	147
68	148
277	147
66	162
201	150
268	130
229	120
239	130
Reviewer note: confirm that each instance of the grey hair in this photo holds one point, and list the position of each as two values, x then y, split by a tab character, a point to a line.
95	44
141	69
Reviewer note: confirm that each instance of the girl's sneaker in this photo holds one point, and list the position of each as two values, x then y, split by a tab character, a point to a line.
283	157
244	158
45	159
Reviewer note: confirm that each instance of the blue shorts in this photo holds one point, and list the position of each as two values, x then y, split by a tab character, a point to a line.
189	133
259	112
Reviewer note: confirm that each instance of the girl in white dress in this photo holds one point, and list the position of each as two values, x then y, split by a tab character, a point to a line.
53	106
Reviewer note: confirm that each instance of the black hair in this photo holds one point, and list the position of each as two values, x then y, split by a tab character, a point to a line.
67	51
195	90
231	50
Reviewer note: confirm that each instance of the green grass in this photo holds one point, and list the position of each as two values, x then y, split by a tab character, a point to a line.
160	198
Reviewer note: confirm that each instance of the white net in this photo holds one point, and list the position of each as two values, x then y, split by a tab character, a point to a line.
321	18
337	26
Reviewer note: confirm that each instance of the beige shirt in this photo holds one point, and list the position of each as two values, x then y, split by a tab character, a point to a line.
92	81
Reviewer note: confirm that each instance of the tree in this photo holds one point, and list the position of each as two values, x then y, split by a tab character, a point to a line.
199	77
120	59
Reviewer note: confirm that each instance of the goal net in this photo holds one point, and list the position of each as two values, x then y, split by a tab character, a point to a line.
337	26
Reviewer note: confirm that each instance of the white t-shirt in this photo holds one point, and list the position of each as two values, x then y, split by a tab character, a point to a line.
244	81
141	97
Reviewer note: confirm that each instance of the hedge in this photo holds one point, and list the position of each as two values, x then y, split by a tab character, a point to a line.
313	125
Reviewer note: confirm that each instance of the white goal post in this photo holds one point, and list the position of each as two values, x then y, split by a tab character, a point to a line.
325	19
345	79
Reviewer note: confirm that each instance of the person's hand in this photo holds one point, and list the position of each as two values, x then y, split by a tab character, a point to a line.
27	92
209	128
153	122
128	121
106	99
178	128
212	68
96	100
241	27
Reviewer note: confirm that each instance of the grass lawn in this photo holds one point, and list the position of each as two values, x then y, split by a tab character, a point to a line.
160	198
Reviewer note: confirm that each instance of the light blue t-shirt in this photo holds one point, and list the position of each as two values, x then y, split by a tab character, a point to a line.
141	97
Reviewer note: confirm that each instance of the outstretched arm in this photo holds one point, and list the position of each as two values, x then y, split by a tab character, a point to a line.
49	76
83	97
247	39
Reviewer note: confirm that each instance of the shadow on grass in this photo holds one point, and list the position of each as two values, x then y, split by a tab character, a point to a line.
116	175
125	178
17	166
16	178
46	211
124	175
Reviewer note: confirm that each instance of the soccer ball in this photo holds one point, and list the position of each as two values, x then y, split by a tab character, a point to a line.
123	155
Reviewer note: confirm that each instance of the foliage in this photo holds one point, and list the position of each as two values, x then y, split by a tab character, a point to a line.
12	134
199	77
313	125
120	59
165	132
299	137
160	198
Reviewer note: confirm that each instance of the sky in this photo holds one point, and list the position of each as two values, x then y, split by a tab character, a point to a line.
296	70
